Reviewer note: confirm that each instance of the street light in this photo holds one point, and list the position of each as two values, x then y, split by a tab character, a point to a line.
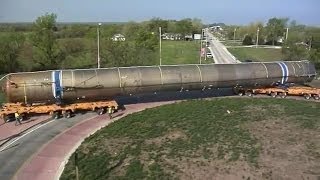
160	33
201	51
257	41
98	42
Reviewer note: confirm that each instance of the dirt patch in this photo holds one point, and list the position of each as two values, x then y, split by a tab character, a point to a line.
171	135
288	152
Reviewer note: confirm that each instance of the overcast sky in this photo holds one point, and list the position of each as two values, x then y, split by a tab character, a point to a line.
227	11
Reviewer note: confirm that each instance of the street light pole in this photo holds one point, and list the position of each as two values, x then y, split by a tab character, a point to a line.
98	42
160	45
257	41
287	34
201	45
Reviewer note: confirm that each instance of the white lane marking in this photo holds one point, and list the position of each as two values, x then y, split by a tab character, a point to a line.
4	147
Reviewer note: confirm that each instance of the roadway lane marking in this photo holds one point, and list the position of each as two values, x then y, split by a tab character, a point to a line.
5	147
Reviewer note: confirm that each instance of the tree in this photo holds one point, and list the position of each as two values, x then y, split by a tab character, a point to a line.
247	40
275	28
295	52
197	25
184	26
315	57
130	30
10	46
146	39
154	24
47	54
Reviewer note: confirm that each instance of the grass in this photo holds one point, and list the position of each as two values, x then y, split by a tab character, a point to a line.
180	52
154	143
256	54
232	43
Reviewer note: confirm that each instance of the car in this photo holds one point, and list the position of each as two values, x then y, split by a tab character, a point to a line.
209	55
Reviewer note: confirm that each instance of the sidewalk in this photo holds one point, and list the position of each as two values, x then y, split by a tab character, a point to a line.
48	163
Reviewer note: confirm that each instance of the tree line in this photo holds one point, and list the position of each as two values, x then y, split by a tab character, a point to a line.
301	42
46	44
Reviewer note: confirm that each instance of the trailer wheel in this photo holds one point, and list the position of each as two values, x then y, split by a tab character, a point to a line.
307	96
274	94
56	115
283	95
240	93
100	111
249	93
316	97
68	114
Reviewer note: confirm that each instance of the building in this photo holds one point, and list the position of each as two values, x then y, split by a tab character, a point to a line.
118	37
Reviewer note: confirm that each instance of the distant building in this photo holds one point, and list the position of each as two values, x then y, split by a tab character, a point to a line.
216	28
188	37
171	36
118	37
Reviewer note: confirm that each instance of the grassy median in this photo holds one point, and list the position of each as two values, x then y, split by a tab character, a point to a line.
256	54
204	138
180	52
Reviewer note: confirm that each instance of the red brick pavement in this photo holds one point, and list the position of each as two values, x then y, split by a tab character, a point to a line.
49	162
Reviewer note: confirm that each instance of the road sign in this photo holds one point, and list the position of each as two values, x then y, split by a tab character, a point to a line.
197	36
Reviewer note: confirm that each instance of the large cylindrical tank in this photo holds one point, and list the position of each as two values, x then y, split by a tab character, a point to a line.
105	83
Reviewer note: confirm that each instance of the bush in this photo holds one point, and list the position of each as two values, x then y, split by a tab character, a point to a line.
247	40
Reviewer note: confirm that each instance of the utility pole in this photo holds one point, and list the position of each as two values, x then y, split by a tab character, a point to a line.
98	42
160	33
257	41
201	45
205	55
310	43
287	34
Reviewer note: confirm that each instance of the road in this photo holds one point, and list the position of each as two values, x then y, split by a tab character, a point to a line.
21	148
219	52
14	155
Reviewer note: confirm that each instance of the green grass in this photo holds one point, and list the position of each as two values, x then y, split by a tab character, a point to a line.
180	52
232	43
256	54
153	144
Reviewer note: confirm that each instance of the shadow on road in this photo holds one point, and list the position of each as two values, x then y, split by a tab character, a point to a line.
171	96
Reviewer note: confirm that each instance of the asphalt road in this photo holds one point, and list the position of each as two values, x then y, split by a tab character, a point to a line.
13	157
219	52
19	150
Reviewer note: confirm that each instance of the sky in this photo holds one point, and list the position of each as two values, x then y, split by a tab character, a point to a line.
210	11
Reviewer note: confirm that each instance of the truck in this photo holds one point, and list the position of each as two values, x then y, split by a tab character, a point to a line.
8	110
281	91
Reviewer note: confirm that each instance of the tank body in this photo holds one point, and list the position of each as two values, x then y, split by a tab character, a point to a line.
105	83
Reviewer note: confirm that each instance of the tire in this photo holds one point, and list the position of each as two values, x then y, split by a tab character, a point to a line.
274	94
56	115
307	96
100	111
249	93
68	114
283	95
240	93
316	97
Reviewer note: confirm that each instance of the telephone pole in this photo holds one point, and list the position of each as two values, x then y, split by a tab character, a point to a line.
257	41
98	42
160	46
